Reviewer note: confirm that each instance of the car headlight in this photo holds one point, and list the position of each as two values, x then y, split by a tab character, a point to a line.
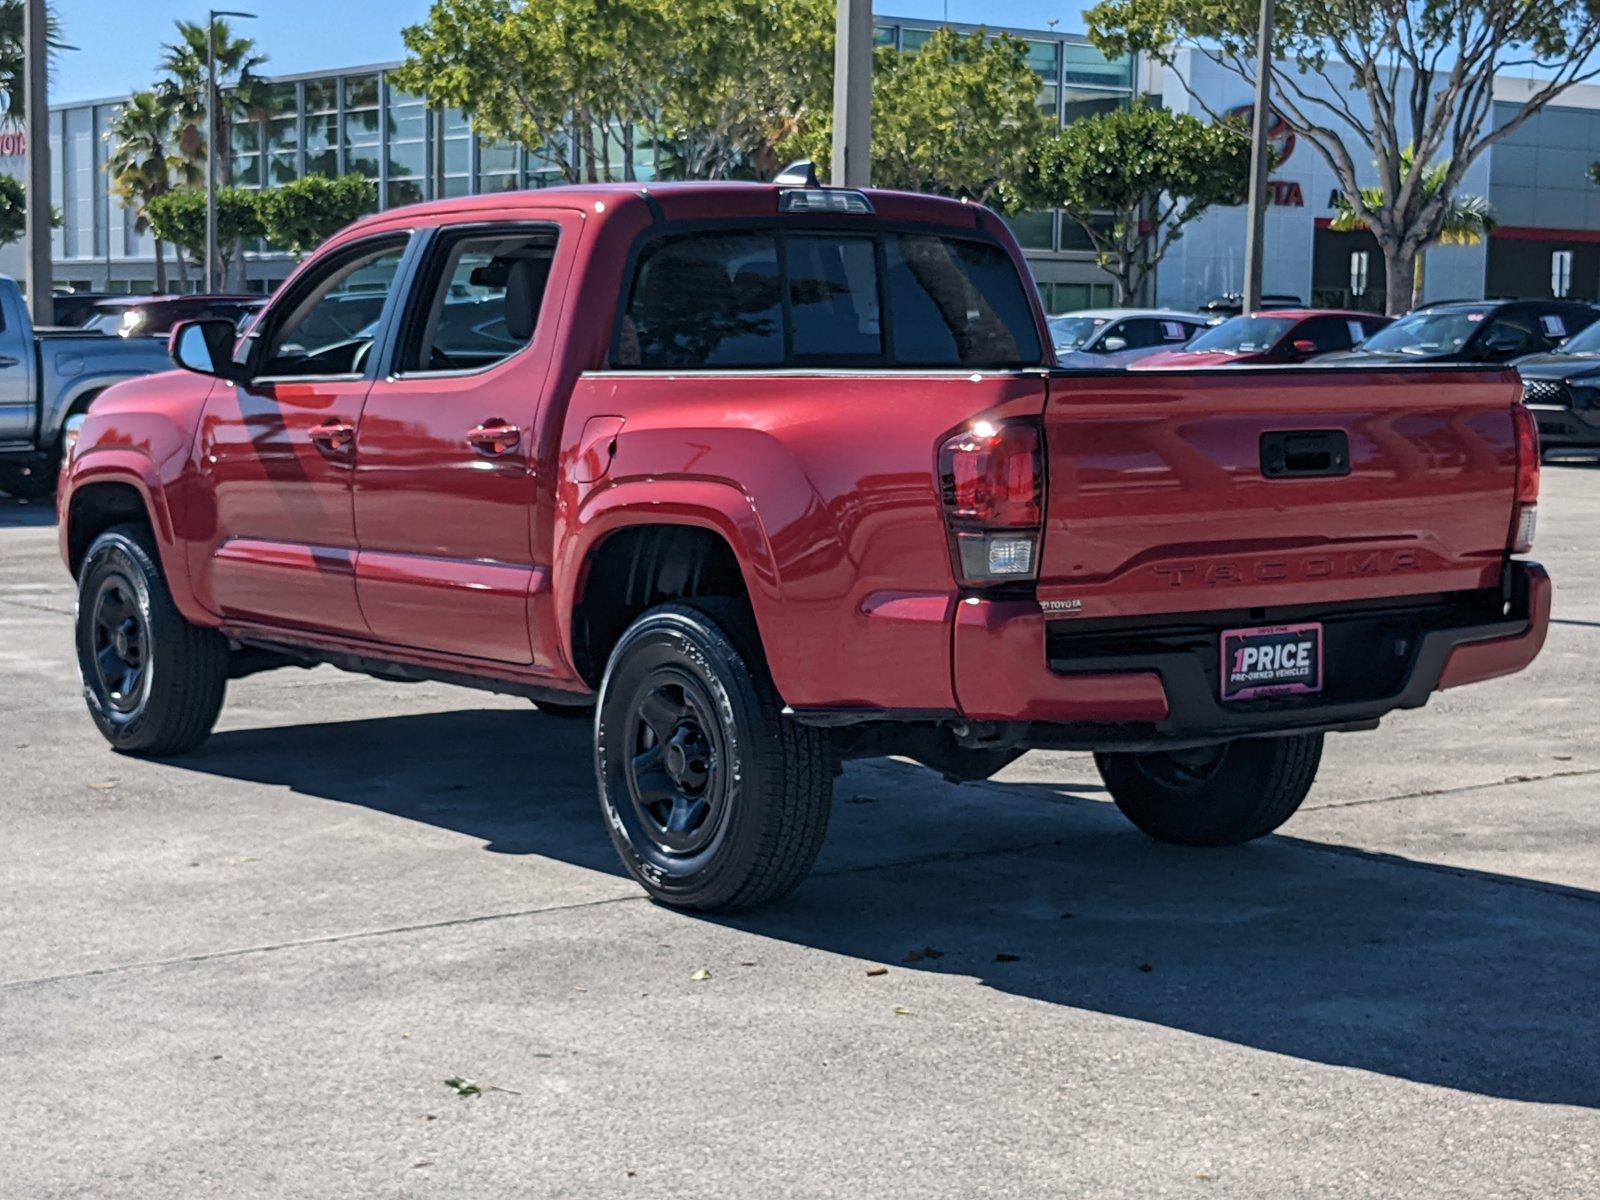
69	437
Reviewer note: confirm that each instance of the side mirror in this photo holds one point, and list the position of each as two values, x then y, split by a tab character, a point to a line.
1303	346
1112	344
206	348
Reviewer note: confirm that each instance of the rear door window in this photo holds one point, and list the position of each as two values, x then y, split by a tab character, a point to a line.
773	298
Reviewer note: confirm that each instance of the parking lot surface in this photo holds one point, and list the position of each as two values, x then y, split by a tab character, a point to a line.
250	971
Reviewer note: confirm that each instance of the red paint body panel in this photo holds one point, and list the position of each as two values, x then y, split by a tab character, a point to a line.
1001	673
406	543
1477	661
1158	503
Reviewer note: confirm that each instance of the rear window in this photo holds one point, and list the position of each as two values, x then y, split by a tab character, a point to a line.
773	298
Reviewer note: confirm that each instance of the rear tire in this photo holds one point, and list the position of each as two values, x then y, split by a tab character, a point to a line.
1214	795
713	798
154	683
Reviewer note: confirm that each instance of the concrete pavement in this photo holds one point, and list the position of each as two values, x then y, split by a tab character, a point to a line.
249	972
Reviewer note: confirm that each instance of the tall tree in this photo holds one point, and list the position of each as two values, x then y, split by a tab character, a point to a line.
568	79
142	163
958	117
1467	219
1133	178
183	89
301	215
743	76
14	56
1363	79
179	217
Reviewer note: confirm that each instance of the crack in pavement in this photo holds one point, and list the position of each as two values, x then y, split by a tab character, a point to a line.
1508	781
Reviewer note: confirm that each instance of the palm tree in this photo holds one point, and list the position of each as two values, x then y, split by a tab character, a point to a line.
1462	220
142	162
14	54
184	89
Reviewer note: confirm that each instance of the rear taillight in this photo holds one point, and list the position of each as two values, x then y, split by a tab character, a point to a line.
992	480
1525	512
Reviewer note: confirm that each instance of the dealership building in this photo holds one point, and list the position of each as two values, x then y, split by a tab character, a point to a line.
351	119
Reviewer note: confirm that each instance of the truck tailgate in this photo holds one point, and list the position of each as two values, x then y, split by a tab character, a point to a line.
1198	491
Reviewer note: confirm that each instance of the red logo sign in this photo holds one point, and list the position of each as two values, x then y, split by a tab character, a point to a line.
13	143
1279	136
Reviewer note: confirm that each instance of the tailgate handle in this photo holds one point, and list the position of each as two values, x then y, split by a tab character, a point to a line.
1305	453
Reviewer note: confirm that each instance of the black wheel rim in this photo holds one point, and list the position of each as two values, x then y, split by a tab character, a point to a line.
676	763
1184	770
120	645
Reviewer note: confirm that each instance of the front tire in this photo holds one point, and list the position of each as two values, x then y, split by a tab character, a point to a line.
713	798
154	683
1213	795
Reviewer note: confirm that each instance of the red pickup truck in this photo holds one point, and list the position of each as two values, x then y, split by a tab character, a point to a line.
770	477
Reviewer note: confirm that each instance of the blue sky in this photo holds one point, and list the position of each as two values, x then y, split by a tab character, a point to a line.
120	40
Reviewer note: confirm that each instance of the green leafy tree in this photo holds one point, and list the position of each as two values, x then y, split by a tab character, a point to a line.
14	210
14	55
183	88
743	76
179	217
142	163
301	215
1467	219
958	117
1133	178
569	79
1365	79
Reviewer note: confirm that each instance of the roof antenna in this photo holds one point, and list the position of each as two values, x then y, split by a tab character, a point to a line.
802	174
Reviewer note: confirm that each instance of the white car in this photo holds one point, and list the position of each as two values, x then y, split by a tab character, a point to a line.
1111	338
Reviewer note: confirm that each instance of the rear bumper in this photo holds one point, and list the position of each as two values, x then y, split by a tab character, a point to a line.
1126	686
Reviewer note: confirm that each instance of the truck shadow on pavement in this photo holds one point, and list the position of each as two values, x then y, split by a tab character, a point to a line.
19	514
1465	979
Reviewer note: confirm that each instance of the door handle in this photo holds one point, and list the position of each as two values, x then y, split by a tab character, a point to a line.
334	437
9	360
494	438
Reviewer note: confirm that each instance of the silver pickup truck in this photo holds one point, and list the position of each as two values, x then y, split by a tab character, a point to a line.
47	377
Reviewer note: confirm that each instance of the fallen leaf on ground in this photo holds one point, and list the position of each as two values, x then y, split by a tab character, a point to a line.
464	1087
1008	958
877	970
1146	968
700	976
901	1010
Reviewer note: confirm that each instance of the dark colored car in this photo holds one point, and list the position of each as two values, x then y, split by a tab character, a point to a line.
1288	336
1562	390
1491	331
155	316
1220	308
72	309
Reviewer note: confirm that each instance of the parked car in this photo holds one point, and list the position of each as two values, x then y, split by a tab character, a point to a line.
1562	389
1115	337
1231	304
1492	331
1290	336
154	316
47	378
71	309
775	476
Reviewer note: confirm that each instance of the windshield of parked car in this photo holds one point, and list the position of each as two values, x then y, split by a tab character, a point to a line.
1586	341
1073	333
1243	335
1441	331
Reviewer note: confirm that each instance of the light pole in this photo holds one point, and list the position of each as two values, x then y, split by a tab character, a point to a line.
212	102
852	95
36	216
1260	162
